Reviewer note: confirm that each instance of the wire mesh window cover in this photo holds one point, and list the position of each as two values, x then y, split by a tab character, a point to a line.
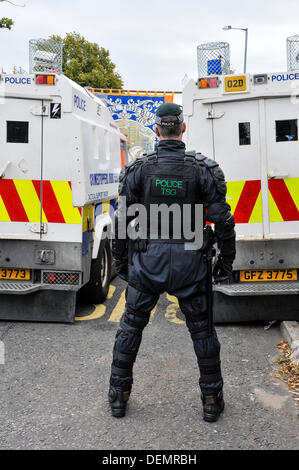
287	130
17	132
293	52
244	133
60	278
45	55
213	58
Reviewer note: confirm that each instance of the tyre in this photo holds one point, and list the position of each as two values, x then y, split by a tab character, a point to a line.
96	290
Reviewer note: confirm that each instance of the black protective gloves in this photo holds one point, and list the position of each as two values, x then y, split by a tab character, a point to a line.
224	265
222	270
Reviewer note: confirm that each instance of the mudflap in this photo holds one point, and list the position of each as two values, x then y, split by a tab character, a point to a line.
230	309
40	306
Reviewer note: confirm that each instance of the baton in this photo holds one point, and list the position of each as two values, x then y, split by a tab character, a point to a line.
210	252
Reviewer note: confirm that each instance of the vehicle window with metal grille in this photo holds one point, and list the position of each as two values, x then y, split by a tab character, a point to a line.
244	133
17	132
286	131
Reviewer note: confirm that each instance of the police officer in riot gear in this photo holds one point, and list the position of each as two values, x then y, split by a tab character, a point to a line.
155	265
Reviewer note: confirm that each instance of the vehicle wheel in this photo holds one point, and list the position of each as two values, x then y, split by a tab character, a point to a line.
96	289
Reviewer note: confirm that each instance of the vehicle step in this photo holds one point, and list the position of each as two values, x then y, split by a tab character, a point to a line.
9	287
258	288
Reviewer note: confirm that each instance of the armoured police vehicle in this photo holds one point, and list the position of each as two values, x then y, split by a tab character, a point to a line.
249	125
60	158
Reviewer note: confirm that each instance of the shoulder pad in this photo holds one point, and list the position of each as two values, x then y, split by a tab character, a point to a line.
122	174
191	153
216	172
128	168
132	165
208	162
150	154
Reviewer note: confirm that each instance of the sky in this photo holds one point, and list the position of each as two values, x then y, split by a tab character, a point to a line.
154	43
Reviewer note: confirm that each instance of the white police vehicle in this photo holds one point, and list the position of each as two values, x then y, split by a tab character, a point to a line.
60	158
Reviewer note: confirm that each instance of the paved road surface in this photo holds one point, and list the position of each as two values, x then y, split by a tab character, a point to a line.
54	382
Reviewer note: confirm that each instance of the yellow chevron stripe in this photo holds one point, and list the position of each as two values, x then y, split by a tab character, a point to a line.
293	187
234	190
4	217
257	213
63	195
30	200
274	214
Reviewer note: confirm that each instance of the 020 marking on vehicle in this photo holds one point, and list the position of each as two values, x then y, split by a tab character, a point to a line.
235	83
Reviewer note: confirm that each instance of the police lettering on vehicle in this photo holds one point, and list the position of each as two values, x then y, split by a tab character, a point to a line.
103	178
18	80
79	103
284	77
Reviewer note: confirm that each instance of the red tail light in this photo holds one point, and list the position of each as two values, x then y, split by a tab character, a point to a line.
45	79
208	82
51	277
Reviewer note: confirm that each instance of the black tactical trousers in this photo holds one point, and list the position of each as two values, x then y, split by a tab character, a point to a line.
166	267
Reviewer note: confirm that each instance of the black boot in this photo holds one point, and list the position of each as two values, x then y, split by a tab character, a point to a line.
118	401
213	405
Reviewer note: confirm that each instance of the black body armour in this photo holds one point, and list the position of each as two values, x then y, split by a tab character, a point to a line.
172	181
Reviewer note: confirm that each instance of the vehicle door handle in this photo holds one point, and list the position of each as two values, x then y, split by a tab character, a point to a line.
273	175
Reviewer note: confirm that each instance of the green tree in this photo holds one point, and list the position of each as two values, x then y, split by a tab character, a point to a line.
87	63
6	23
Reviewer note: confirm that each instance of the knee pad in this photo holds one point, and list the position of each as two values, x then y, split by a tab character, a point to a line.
198	329
134	321
204	344
128	339
207	347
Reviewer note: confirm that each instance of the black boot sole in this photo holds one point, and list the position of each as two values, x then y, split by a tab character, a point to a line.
210	418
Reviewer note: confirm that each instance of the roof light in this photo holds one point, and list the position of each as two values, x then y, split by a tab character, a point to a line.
45	79
208	82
